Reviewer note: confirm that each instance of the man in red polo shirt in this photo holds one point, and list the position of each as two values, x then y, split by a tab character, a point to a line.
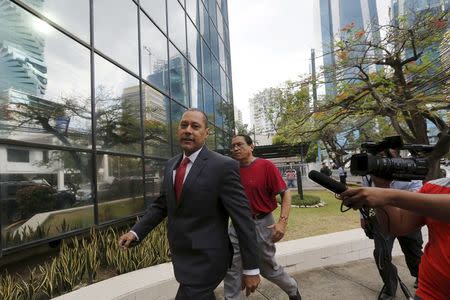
262	182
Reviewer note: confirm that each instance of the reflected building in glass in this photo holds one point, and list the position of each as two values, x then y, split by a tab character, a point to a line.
89	110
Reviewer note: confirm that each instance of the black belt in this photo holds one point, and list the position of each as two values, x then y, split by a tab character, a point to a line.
259	216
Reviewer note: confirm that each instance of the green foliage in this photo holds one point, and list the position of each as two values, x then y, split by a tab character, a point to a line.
79	261
34	199
307	201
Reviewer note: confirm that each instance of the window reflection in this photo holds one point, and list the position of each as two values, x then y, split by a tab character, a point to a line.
211	140
196	89
156	9
117	39
204	22
154	55
208	101
206	61
120	187
116	109
223	83
215	74
192	10
194	45
214	40
219	110
154	175
178	73
156	122
71	15
177	29
40	194
177	113
45	86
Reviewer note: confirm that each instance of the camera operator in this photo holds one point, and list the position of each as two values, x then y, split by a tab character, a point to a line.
401	212
411	244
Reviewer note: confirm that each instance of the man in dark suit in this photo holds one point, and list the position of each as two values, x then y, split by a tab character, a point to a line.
201	190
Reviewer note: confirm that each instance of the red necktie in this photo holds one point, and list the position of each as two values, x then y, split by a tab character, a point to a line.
179	176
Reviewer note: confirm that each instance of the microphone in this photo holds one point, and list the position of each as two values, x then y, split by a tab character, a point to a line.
327	182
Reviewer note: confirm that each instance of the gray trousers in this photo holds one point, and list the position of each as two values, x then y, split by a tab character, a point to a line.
268	267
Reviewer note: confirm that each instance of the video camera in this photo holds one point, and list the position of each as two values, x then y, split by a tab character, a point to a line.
377	160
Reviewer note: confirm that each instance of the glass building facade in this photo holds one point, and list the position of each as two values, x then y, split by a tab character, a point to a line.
91	92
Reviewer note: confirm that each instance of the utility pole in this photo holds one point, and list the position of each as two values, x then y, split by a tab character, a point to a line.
314	94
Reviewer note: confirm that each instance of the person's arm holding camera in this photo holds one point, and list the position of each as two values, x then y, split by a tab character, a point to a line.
399	211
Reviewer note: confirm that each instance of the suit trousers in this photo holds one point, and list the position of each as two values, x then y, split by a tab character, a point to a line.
268	267
411	245
196	292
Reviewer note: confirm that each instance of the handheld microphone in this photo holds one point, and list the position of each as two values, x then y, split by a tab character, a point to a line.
327	182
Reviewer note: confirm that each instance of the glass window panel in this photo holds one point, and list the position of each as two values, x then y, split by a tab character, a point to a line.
181	2
230	91
44	82
72	15
208	101
120	187
224	8
215	74
219	139
212	10
154	175
214	40
156	123
211	140
116	31
46	189
220	23
222	59
204	23
227	116
177	29
223	83
177	113
154	55
194	45
116	108
227	63
178	73
206	61
226	37
196	89
156	9
192	10
219	110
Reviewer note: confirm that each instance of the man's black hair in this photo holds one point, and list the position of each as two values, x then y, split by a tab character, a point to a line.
247	138
205	118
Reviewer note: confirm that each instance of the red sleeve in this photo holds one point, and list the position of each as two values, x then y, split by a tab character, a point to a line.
274	179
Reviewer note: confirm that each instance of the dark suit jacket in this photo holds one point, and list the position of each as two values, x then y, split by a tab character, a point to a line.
198	225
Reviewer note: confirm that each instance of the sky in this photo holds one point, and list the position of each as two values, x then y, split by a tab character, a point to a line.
271	42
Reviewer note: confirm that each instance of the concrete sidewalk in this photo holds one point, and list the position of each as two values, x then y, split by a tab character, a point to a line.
353	280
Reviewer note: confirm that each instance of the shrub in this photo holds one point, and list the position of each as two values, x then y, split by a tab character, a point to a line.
307	201
78	264
34	199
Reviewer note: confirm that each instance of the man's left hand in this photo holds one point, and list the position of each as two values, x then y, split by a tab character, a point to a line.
279	230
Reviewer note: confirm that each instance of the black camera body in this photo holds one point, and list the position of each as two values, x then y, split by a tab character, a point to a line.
373	162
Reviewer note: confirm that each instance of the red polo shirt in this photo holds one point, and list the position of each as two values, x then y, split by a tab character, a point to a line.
434	269
262	182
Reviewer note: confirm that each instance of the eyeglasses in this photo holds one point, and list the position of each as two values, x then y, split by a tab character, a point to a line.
237	145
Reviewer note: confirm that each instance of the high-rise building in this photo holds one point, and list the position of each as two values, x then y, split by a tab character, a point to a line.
333	15
90	101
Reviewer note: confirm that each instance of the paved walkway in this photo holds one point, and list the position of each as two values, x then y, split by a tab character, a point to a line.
354	280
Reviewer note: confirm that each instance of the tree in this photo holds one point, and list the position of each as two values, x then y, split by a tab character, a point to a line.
402	79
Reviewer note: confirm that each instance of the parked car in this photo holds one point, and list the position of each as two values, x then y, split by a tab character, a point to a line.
84	193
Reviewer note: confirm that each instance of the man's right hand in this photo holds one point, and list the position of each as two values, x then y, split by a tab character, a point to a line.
250	283
126	239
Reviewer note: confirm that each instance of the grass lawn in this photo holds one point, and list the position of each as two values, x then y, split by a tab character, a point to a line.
304	222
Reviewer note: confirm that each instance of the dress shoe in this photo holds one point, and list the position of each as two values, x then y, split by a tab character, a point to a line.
296	297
